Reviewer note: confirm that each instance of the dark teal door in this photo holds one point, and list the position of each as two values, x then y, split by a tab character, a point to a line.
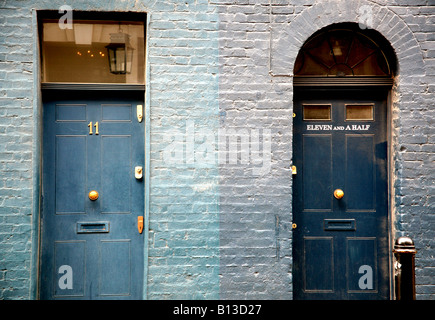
92	248
340	245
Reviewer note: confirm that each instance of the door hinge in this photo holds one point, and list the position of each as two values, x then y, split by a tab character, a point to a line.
294	171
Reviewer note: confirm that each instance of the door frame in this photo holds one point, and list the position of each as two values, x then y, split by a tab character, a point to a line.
39	89
318	84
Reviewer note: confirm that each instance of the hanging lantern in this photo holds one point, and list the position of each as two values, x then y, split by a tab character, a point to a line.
120	53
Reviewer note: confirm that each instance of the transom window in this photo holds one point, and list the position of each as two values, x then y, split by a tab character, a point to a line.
341	53
93	52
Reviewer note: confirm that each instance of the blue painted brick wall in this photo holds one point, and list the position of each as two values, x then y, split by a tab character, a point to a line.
184	212
16	137
183	237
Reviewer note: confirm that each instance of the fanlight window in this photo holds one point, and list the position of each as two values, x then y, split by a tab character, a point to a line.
341	53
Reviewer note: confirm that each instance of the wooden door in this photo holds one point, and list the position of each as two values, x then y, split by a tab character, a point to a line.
340	245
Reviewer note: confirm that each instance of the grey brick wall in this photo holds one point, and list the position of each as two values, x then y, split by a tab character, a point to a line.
252	85
255	210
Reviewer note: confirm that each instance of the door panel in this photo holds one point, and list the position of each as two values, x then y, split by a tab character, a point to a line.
70	149
73	254
116	164
340	245
115	270
317	157
361	254
319	268
92	249
360	172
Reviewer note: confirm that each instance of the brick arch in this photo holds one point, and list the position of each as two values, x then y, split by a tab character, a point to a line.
286	42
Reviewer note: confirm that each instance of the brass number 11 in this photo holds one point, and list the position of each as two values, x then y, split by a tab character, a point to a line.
90	127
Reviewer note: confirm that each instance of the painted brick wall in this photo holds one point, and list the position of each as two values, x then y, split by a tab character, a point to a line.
255	209
250	96
184	208
16	137
415	201
183	246
220	227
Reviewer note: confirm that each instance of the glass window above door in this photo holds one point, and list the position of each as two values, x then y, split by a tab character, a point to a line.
341	53
93	52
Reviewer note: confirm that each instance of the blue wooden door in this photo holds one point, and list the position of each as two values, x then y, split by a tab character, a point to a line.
92	248
340	245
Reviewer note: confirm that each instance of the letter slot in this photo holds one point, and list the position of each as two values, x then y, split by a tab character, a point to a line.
93	227
339	225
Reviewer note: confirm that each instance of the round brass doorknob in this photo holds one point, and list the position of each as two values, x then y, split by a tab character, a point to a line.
338	194
93	195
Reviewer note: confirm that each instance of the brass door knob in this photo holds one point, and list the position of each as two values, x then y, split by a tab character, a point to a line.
338	194
93	195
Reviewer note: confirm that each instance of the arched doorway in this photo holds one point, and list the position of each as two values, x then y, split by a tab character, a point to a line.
340	152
